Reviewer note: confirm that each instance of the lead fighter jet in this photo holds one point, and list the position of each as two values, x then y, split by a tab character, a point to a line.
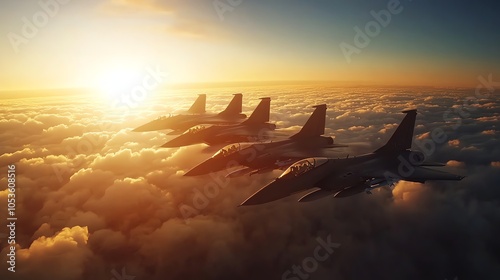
264	157
197	115
349	176
256	127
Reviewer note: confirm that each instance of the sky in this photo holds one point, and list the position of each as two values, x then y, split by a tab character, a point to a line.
95	200
102	43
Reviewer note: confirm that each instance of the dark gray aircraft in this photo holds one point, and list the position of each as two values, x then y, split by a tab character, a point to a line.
197	115
349	176
265	157
256	127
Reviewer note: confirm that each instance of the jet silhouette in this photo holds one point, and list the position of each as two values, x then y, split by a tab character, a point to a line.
265	157
256	127
349	176
196	115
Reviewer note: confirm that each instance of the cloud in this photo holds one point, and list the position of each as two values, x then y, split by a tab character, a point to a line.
130	6
95	197
455	163
454	143
180	18
67	250
489	132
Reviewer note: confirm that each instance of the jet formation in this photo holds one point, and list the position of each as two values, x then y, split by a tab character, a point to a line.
308	157
264	157
196	115
256	127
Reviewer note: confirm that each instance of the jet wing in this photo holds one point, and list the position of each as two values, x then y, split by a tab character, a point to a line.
410	173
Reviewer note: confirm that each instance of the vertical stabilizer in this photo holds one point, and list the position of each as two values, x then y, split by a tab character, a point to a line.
261	113
234	107
403	136
198	106
315	125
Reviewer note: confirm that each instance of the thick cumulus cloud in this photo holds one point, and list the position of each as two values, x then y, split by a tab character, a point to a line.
97	201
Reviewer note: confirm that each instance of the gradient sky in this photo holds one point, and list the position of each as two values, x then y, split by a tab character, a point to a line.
96	42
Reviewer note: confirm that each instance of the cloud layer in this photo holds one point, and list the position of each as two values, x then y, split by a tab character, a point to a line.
96	200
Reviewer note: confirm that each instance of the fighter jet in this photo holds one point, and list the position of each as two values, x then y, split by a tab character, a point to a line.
256	127
264	157
349	176
197	115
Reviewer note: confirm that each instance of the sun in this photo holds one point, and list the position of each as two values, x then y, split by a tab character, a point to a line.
118	82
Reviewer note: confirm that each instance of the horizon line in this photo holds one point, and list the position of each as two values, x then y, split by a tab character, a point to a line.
180	85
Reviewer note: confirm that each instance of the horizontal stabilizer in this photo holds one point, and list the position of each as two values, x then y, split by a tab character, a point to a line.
422	174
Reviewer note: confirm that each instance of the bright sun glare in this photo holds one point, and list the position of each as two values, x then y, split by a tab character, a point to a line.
117	82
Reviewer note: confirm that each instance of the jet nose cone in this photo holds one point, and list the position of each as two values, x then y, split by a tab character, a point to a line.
150	126
197	170
192	172
251	201
172	144
256	199
175	143
182	140
206	167
155	125
271	192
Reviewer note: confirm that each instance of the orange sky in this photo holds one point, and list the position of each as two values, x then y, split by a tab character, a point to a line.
104	43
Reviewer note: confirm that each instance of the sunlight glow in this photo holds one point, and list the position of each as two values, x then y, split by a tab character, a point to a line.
114	83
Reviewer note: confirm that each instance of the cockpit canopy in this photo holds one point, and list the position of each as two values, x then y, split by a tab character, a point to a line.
231	149
302	166
195	129
160	118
